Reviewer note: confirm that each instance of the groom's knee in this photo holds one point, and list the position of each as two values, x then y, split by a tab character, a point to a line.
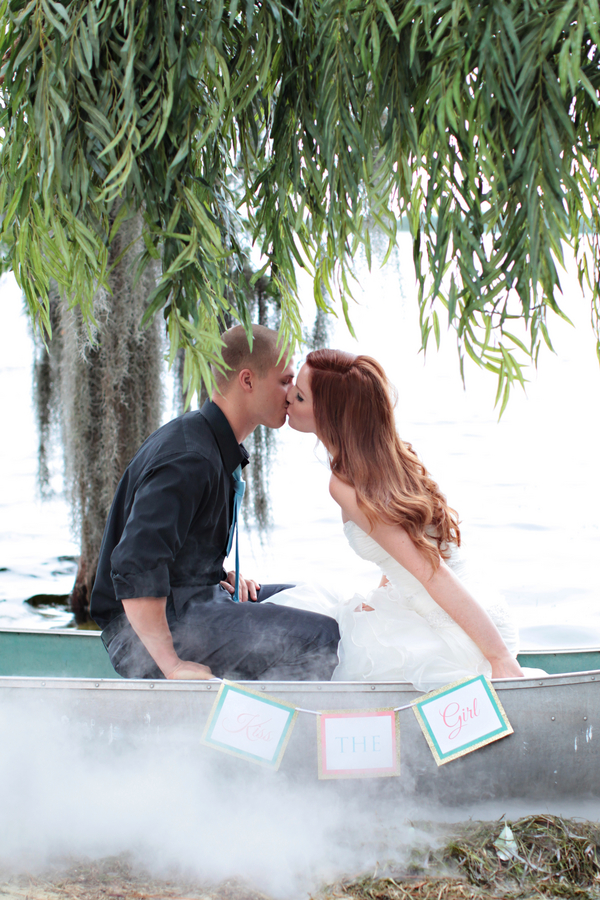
320	655
330	631
319	644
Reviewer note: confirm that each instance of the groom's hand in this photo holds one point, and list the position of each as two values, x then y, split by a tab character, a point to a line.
189	671
248	587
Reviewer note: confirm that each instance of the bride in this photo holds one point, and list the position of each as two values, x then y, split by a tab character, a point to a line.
422	624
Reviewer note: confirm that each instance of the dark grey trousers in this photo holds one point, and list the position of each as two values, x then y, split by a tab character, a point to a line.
244	641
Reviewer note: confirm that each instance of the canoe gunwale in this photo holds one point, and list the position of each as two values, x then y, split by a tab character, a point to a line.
280	687
94	633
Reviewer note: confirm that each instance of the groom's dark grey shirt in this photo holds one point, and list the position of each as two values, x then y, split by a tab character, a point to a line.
168	526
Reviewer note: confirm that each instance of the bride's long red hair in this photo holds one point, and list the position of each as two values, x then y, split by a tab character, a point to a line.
353	406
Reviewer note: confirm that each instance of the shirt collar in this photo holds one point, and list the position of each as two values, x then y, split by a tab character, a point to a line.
232	453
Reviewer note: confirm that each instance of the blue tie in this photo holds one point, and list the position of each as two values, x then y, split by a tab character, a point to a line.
239	486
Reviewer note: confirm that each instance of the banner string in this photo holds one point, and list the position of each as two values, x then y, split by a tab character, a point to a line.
315	712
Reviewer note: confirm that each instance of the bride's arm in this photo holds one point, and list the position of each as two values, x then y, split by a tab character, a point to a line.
441	584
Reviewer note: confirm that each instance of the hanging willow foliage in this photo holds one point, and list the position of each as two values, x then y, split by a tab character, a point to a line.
303	126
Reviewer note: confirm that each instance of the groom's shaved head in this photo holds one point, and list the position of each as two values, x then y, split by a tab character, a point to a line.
237	354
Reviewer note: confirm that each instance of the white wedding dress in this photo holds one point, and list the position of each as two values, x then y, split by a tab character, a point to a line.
406	637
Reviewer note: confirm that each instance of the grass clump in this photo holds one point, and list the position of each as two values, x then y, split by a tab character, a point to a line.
556	856
541	856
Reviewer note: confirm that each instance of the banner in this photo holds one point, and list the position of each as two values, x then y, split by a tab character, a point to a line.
461	717
250	725
358	743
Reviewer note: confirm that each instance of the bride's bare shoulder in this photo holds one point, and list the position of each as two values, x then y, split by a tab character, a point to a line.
343	493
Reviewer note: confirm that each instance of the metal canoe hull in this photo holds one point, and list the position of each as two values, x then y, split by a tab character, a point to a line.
554	751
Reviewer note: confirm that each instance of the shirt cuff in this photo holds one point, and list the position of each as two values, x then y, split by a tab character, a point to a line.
152	583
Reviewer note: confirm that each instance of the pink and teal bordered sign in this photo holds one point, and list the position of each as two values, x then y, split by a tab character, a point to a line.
461	717
358	743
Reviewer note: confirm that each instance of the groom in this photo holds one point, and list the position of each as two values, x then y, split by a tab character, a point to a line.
161	596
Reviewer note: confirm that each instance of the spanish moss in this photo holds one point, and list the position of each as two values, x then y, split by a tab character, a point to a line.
104	386
46	392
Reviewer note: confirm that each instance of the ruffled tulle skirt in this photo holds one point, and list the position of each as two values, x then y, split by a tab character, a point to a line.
394	642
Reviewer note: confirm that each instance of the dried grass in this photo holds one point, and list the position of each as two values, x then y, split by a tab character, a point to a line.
115	878
552	857
560	856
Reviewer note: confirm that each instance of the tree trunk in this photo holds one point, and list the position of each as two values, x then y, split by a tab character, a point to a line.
110	400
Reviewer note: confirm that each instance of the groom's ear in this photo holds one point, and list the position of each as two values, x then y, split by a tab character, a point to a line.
246	379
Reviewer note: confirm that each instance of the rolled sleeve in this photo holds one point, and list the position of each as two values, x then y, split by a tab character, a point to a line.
165	504
153	583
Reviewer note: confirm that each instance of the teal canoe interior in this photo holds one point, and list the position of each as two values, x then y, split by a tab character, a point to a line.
81	654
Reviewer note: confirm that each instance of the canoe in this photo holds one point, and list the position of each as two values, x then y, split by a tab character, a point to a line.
63	682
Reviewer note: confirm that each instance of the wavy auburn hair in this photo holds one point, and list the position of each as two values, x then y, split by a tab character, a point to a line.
353	407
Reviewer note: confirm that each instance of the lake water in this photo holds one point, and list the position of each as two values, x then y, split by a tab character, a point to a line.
526	488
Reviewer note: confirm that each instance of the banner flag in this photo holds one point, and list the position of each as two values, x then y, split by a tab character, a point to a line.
358	743
461	717
249	724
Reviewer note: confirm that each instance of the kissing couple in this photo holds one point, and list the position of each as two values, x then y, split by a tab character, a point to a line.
167	608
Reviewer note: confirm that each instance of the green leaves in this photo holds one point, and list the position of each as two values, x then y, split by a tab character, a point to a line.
299	129
507	153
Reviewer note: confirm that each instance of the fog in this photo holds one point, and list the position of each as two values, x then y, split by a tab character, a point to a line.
179	805
180	809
